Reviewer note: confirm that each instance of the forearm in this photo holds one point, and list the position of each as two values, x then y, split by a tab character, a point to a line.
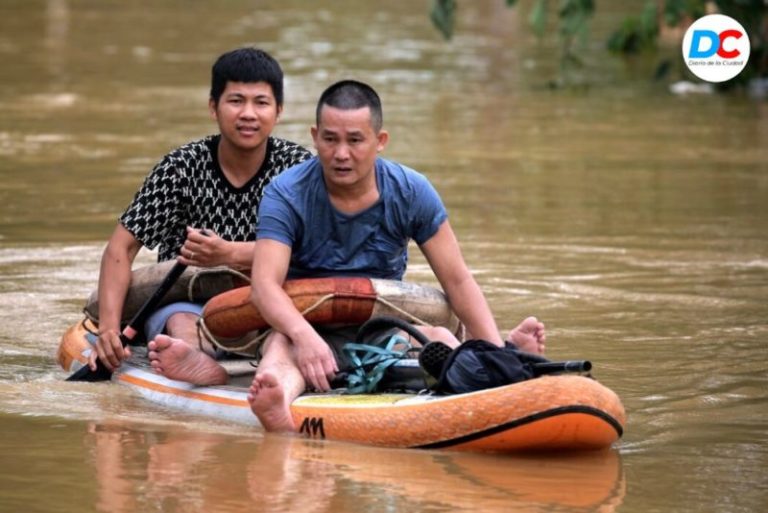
277	308
268	273
464	294
471	307
239	255
311	355
114	281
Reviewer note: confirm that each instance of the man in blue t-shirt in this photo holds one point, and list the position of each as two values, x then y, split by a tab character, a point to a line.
371	241
350	212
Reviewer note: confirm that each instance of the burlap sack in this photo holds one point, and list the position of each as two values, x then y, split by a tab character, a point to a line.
196	284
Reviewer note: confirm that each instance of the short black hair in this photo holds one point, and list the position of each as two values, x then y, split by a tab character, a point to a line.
349	95
246	65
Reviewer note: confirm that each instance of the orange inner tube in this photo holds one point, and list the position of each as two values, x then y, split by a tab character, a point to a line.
329	300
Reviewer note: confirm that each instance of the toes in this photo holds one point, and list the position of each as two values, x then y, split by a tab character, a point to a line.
162	342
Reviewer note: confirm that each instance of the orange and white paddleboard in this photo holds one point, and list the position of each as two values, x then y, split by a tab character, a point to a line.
564	412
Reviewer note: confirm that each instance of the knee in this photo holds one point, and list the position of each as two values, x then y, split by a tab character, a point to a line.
440	334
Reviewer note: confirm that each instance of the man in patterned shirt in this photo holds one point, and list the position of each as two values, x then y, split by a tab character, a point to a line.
199	205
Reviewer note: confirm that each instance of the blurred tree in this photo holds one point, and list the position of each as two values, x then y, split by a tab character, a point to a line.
639	33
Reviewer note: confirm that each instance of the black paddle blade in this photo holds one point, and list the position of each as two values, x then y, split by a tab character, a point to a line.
85	373
433	357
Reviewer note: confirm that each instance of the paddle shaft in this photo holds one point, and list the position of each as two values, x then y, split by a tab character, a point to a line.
542	368
129	332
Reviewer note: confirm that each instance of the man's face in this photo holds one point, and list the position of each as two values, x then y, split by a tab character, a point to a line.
347	145
246	113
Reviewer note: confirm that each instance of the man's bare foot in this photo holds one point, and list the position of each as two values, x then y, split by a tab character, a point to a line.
175	359
267	399
529	336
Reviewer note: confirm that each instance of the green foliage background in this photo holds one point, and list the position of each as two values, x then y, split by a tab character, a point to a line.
637	33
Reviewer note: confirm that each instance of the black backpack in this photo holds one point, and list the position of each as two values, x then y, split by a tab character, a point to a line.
479	364
474	365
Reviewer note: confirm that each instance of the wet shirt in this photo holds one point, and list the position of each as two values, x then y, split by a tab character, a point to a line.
297	211
188	188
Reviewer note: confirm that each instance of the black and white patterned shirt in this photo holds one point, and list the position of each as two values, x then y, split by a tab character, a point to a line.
188	188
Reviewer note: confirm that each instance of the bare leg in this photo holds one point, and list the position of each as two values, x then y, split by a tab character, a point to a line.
183	325
175	359
438	333
529	336
271	396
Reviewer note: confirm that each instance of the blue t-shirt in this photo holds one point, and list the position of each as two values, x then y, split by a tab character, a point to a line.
297	211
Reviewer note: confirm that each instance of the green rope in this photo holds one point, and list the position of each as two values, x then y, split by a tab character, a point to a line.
376	358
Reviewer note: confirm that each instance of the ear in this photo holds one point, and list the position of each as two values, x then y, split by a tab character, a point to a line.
279	112
313	132
212	109
383	139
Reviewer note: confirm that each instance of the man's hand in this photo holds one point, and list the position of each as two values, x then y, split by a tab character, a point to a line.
203	248
110	350
316	362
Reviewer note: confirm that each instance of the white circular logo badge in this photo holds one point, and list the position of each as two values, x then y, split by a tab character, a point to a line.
716	48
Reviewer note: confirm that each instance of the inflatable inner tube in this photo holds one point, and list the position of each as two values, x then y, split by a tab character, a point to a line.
327	301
